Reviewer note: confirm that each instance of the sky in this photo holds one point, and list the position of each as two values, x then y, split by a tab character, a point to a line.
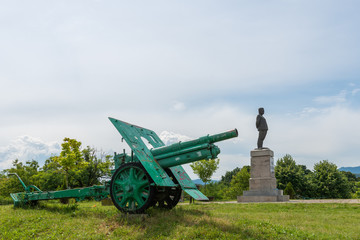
184	69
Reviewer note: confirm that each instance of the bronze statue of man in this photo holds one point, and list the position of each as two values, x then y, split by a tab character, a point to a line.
262	127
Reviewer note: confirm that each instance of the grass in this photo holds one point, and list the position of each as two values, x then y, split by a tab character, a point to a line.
90	220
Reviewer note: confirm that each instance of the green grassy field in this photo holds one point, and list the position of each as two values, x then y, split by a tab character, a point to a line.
90	220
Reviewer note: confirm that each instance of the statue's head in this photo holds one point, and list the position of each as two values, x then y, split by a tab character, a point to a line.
261	111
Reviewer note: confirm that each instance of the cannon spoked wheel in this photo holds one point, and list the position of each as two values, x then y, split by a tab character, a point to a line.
130	188
170	197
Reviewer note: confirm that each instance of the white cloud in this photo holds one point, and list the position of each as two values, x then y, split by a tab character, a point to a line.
355	91
170	138
308	111
26	148
178	106
330	133
336	99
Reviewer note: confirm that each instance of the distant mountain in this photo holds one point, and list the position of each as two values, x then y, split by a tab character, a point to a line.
354	170
199	182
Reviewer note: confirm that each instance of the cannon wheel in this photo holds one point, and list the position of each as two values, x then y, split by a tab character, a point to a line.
170	197
130	188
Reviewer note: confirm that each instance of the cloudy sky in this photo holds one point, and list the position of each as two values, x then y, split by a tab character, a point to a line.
183	69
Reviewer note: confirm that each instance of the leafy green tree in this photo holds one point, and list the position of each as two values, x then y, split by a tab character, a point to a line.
357	191
349	175
95	168
50	177
214	189
289	190
25	171
205	169
286	170
352	180
70	159
4	192
229	175
238	184
306	170
309	188
330	182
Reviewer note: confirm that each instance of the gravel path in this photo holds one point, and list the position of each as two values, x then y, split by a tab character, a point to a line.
356	201
327	201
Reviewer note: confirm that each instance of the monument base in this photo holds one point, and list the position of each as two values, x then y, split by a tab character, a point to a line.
274	195
283	198
262	182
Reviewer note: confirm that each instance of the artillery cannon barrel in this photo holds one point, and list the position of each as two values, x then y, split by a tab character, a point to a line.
188	144
191	151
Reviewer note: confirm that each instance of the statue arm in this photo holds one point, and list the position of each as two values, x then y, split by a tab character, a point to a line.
258	118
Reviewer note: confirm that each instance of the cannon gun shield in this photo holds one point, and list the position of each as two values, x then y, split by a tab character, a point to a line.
134	135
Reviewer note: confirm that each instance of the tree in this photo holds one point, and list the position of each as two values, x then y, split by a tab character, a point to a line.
95	168
352	180
305	169
26	171
229	175
349	175
357	190
70	158
330	182
289	190
287	171
238	184
205	169
309	188
51	176
214	189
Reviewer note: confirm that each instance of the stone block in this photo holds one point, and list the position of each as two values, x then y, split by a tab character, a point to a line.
262	183
257	198
282	198
262	152
262	166
272	192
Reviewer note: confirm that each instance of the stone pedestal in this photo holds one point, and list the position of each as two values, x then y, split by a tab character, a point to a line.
262	179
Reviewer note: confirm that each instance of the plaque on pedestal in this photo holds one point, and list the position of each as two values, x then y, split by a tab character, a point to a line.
262	183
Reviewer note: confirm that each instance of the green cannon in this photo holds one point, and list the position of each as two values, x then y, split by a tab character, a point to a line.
149	176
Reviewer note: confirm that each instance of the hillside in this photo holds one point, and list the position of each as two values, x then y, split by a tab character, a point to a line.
354	170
